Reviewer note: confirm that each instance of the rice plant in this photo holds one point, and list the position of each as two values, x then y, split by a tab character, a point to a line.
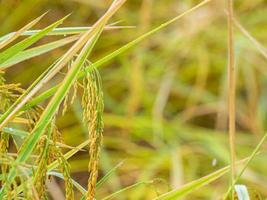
72	89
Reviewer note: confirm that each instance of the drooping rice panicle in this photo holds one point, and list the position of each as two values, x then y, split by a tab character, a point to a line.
92	103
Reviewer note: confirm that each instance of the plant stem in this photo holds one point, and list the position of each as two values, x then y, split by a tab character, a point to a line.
231	91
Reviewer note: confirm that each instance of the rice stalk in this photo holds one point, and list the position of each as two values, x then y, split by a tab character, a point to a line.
231	92
52	108
7	116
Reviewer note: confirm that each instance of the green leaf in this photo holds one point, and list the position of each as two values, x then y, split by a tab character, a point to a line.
14	36
15	132
23	134
60	31
15	49
36	51
126	188
192	186
107	176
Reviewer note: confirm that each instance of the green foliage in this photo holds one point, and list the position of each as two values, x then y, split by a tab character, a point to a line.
165	106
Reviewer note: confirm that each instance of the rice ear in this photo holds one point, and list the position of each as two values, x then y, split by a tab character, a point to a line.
92	103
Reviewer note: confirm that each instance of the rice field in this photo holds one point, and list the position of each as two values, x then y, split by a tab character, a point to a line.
137	99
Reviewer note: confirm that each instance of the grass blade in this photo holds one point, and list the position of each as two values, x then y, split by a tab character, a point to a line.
105	178
15	132
36	51
73	30
190	187
15	49
19	32
24	134
62	31
126	188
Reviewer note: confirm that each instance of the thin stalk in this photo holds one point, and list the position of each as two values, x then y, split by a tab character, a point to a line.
231	93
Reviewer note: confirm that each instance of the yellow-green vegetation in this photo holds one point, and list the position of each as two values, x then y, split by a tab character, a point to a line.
140	99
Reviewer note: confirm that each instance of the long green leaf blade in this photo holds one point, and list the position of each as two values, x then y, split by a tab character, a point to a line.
190	187
15	49
61	31
36	51
19	32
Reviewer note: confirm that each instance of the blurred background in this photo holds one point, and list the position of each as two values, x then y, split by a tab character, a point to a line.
166	99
